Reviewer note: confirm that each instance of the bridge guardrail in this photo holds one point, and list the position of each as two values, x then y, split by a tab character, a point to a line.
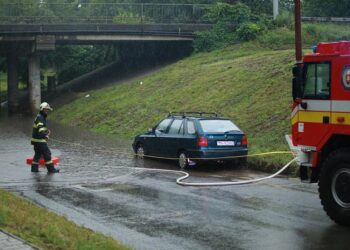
127	13
326	19
180	30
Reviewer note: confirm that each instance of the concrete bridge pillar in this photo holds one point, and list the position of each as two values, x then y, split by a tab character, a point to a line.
34	82
12	80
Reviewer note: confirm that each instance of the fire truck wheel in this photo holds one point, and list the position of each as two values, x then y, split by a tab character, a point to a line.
334	186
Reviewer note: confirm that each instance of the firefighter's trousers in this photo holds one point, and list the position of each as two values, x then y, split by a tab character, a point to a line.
42	150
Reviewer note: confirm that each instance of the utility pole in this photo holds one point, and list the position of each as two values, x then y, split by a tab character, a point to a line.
297	19
275	9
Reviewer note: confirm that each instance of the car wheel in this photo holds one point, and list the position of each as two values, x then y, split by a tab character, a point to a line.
183	160
140	151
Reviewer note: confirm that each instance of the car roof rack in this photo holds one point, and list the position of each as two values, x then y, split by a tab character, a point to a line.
193	114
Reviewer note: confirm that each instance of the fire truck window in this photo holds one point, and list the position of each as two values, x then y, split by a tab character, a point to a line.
317	81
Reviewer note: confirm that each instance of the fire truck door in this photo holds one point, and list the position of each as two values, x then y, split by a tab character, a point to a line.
315	108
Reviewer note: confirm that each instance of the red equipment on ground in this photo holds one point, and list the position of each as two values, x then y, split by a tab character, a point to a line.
55	160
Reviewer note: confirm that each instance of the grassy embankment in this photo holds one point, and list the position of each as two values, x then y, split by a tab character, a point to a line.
249	83
47	230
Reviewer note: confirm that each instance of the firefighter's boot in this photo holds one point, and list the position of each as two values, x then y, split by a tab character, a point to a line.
52	169
35	168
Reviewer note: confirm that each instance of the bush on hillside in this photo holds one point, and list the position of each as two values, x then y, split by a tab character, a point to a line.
219	36
285	19
232	23
230	13
248	31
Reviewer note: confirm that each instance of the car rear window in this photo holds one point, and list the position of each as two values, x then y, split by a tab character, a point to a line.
218	126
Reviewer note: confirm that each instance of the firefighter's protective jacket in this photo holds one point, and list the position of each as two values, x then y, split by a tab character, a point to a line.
40	130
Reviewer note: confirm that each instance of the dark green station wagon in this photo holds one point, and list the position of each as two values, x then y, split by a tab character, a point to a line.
192	138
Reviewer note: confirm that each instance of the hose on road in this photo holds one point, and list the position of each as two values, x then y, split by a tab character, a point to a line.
180	180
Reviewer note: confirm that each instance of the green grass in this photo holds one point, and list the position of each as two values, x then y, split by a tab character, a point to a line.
249	83
47	230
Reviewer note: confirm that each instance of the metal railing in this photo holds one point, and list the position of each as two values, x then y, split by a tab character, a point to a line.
326	19
102	13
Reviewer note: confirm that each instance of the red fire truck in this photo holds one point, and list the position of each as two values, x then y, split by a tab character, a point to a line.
321	124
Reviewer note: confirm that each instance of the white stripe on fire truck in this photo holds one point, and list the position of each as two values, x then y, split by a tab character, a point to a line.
316	105
341	106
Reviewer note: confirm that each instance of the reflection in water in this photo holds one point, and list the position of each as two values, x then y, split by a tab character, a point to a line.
42	183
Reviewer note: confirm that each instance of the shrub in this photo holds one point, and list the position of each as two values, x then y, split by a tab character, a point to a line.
230	13
247	31
285	19
233	23
219	36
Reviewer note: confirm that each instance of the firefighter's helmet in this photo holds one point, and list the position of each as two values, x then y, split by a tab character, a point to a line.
45	105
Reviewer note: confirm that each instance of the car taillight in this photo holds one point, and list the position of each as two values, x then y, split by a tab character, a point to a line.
244	141
202	141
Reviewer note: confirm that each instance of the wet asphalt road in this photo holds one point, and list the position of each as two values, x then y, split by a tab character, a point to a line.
99	187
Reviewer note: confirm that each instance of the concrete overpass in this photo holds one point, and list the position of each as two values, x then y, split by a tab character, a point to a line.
40	34
90	33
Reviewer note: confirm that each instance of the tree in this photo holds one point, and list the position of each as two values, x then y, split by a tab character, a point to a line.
263	6
329	8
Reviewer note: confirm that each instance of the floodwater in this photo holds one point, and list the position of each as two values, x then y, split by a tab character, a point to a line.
101	187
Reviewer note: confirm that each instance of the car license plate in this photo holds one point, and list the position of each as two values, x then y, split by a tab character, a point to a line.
225	143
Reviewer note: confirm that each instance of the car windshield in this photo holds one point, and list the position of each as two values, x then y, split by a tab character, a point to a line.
218	126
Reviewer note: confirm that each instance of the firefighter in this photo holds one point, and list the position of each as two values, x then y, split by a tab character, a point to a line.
39	140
